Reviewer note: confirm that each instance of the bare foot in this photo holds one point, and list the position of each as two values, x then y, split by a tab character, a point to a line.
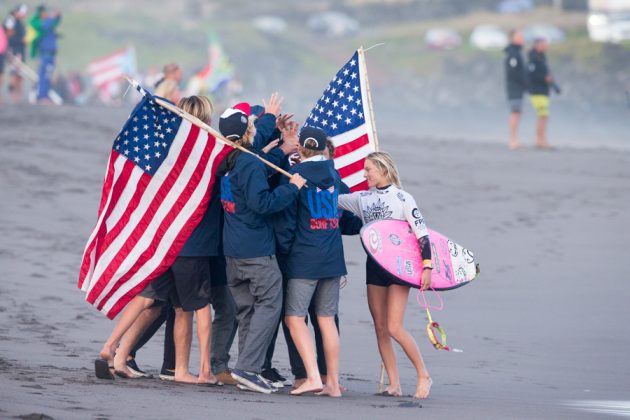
121	369
391	391
309	385
423	388
298	383
186	378
207	378
108	353
331	391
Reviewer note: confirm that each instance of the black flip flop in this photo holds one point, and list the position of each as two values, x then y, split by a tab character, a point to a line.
102	370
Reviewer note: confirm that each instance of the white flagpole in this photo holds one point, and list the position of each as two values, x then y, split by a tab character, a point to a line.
369	97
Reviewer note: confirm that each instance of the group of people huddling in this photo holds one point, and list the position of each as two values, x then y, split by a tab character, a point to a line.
269	252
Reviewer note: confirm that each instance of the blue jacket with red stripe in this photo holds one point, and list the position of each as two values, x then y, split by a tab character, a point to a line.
248	203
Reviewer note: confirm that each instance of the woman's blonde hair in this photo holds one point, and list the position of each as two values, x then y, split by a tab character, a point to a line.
385	163
168	89
198	106
250	133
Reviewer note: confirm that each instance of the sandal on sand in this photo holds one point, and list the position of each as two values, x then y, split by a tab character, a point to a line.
102	369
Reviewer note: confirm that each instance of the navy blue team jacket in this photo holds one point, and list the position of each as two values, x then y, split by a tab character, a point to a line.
308	231
206	240
248	204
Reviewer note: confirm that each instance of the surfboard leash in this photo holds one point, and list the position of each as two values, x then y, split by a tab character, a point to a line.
433	328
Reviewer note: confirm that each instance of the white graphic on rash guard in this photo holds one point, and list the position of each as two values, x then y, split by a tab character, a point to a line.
377	211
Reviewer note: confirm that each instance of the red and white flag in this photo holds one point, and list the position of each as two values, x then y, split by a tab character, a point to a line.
343	112
112	68
156	190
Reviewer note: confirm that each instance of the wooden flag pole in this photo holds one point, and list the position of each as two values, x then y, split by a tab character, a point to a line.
196	121
369	97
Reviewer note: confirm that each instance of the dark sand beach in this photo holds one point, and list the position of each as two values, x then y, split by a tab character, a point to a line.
543	331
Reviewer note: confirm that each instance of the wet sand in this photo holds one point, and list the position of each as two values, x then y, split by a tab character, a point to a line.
544	330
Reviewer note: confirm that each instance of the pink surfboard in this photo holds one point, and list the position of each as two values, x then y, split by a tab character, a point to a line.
392	244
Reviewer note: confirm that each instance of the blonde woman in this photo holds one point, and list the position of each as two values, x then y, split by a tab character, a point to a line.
387	299
185	285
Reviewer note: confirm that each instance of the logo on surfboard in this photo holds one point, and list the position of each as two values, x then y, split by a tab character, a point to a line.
452	247
468	256
375	241
395	239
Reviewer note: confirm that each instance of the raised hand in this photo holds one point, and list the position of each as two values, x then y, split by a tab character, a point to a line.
290	137
274	106
282	120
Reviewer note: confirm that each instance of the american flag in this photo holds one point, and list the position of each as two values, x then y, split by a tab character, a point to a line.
156	190
111	69
343	113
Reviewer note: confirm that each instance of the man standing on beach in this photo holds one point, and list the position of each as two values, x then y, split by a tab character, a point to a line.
47	50
515	83
540	81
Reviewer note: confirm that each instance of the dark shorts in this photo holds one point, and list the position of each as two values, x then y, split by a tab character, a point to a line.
160	289
192	283
377	276
186	284
516	104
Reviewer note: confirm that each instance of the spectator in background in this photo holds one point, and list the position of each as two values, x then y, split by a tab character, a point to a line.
3	49
540	81
16	36
515	83
47	49
168	86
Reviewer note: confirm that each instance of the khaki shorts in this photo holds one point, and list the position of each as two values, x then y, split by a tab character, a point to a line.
540	104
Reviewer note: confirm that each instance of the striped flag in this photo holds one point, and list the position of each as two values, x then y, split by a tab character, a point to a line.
343	112
156	190
112	68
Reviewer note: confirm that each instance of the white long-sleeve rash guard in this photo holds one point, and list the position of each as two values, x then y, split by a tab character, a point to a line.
389	203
